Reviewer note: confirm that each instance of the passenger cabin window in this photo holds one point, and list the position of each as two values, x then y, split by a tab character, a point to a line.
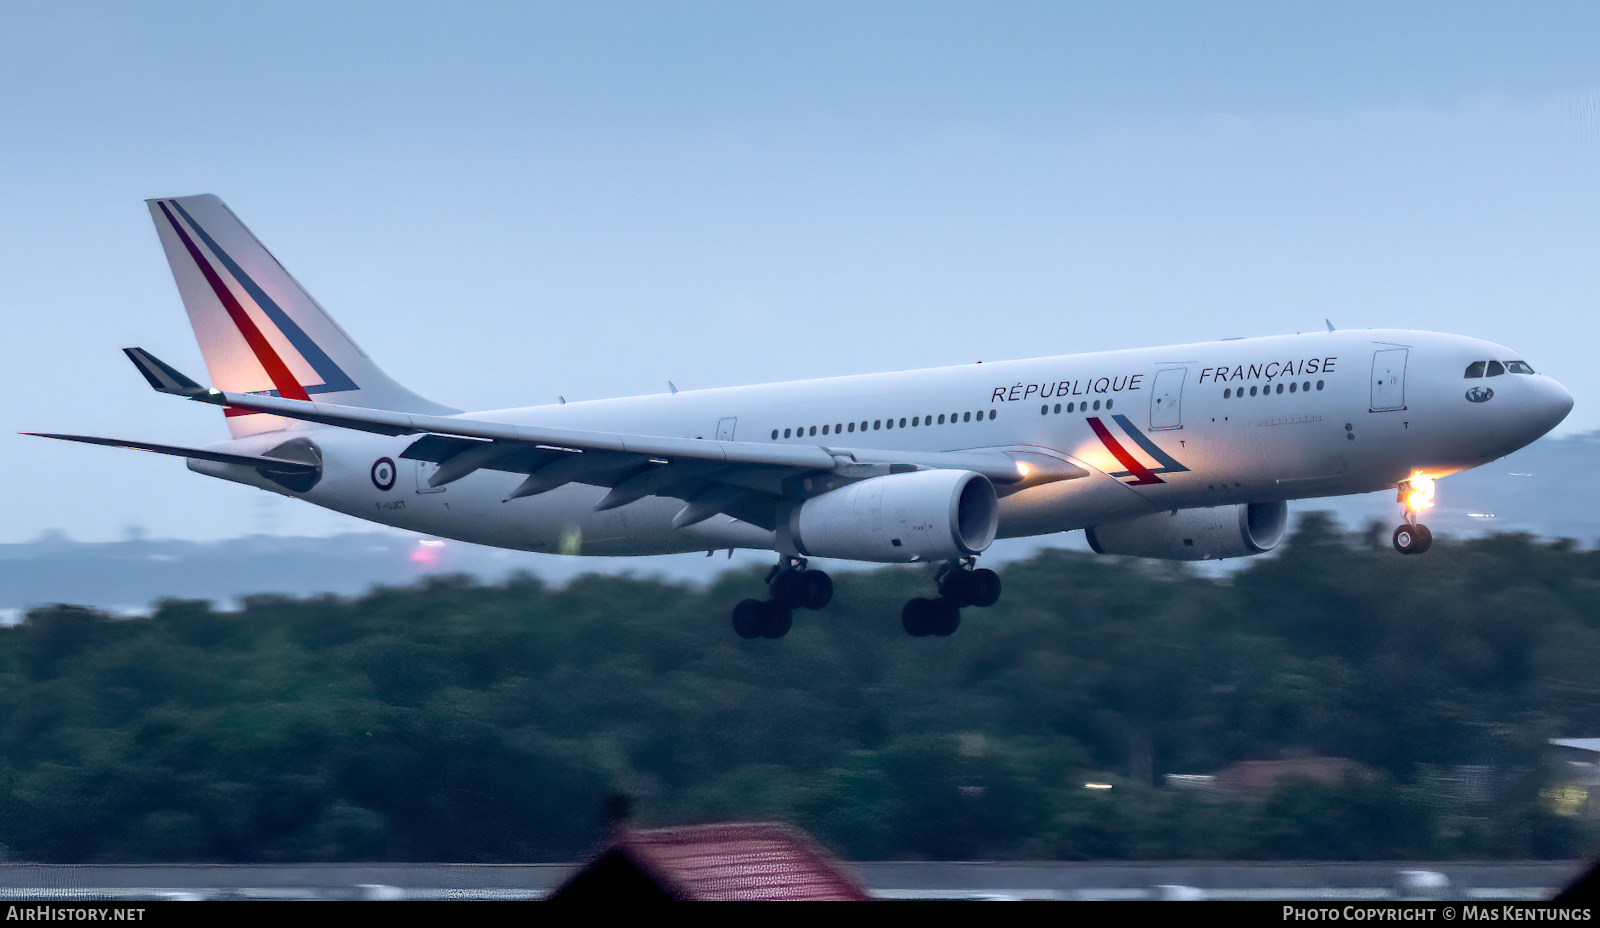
1518	367
1495	369
1475	369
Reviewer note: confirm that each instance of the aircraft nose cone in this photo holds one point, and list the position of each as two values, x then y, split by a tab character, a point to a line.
1551	405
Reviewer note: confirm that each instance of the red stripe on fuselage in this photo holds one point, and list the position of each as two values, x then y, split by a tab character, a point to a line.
1128	460
278	371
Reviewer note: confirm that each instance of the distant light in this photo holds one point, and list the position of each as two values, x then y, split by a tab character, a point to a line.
1097	786
1480	515
1515	474
424	554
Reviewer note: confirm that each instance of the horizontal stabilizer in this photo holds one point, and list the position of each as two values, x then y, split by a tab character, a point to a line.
220	457
164	377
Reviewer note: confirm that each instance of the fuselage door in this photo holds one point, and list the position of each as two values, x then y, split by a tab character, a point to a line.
725	428
1166	403
1389	379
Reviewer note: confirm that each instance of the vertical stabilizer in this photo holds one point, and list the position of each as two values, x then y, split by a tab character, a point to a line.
259	330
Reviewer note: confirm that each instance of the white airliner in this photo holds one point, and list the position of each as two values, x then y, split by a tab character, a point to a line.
1186	452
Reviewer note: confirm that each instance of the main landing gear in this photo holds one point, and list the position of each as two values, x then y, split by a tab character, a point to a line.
959	585
792	587
1416	494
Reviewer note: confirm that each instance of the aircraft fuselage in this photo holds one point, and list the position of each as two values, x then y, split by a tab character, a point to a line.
1238	421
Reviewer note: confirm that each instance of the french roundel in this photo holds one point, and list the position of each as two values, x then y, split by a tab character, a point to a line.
383	474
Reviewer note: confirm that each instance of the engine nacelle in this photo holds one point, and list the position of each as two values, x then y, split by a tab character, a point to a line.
923	515
1195	534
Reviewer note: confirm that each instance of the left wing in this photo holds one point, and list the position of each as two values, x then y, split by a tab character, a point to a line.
746	480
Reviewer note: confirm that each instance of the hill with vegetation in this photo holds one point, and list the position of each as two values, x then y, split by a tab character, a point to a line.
466	722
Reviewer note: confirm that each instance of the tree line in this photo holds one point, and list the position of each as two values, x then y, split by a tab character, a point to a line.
459	721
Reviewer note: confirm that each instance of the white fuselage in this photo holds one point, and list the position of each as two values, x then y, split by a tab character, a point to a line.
1239	421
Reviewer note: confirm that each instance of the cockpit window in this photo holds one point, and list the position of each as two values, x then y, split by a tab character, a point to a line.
1518	367
1475	369
1495	369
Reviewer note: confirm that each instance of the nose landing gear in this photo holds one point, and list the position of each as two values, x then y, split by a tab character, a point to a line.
1416	494
960	585
792	587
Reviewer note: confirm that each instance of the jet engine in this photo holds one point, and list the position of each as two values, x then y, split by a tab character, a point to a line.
922	515
1195	534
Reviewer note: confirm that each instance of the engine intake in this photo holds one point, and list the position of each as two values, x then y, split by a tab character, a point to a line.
1195	534
923	515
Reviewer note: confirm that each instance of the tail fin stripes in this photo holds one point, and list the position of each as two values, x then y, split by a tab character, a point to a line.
260	331
285	382
334	379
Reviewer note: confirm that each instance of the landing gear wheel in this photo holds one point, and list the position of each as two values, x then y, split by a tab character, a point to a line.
917	618
778	621
749	617
791	588
990	586
962	587
819	589
946	617
1412	539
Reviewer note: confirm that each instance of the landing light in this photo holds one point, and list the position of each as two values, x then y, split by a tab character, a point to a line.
1421	495
1023	469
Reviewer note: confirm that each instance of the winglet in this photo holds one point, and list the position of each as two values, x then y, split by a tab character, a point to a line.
162	376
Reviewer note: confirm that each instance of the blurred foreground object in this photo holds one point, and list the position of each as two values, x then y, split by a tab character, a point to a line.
754	861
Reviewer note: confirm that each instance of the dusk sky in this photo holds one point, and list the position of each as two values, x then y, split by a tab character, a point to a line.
506	202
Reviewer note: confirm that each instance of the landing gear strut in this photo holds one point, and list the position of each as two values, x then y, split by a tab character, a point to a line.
1416	494
960	584
792	587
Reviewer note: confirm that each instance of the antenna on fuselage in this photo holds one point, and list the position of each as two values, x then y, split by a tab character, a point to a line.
1330	324
673	387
